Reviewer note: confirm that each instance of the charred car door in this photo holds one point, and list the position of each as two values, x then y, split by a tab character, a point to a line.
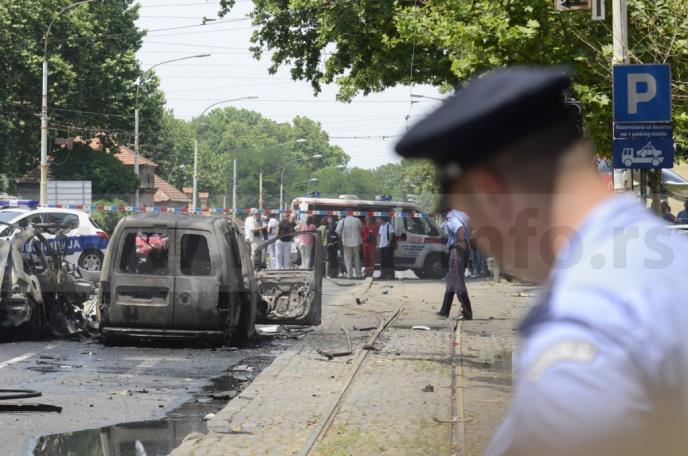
290	295
198	278
142	279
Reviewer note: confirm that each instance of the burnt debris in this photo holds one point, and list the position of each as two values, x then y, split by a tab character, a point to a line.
41	294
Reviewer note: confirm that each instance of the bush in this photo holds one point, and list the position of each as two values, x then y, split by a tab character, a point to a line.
108	220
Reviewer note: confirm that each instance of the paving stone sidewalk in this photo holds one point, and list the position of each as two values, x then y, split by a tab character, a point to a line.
401	400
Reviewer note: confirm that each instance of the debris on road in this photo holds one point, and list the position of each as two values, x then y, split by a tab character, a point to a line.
523	295
209	417
242	368
224	395
421	327
16	408
365	328
331	355
269	329
429	389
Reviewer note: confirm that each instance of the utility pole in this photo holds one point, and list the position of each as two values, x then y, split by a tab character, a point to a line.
620	57
43	192
137	108
136	155
234	190
260	190
194	193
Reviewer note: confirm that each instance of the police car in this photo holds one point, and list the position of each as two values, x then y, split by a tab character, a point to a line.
84	244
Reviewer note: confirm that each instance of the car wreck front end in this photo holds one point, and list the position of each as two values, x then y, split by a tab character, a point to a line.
21	303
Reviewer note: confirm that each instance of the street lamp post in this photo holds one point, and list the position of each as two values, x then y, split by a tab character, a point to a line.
260	189
310	181
136	115
194	194
43	194
315	157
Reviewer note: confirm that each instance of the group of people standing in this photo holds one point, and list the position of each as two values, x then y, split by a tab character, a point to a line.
258	229
344	240
349	238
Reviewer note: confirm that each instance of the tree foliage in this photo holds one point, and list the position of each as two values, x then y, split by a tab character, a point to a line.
92	73
107	174
368	45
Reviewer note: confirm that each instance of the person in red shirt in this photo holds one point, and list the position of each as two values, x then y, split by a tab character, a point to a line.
369	238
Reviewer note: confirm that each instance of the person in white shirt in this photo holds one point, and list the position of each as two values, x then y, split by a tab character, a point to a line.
272	234
385	244
349	230
253	231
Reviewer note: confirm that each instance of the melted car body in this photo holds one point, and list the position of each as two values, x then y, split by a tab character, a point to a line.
190	276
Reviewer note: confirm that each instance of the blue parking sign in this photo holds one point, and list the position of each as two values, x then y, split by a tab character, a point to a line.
644	153
642	93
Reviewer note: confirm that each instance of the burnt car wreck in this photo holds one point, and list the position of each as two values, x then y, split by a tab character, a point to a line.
179	276
40	293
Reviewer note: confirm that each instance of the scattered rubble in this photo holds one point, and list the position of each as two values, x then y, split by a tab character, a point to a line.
331	355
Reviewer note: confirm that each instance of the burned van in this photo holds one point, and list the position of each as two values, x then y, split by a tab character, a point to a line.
178	276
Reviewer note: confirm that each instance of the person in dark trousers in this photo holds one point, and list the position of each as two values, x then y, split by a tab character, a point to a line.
456	284
332	248
386	243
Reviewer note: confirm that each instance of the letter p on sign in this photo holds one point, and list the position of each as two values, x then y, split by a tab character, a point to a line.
642	93
635	93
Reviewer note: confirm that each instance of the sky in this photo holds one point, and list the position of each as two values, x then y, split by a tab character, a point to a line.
232	72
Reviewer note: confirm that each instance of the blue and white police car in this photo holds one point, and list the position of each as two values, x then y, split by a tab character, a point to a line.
85	243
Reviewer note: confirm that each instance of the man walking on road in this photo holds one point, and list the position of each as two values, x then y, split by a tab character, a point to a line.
458	243
349	230
603	364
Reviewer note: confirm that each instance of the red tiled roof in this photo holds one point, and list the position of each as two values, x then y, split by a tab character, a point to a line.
124	154
167	192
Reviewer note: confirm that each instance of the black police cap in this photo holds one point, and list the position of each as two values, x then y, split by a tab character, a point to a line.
489	114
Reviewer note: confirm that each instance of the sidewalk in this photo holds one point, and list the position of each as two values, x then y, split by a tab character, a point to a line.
400	401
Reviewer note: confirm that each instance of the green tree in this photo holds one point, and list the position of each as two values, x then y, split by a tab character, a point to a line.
107	174
368	45
258	144
92	67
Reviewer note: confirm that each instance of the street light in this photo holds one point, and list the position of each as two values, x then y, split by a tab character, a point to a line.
43	193
310	181
260	180
138	82
313	157
194	194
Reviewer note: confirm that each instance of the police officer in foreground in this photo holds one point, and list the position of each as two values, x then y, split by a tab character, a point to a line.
603	363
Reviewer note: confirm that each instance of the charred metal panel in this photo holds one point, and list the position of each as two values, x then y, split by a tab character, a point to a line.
285	295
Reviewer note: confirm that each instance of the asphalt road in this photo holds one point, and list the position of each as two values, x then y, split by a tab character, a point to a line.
116	396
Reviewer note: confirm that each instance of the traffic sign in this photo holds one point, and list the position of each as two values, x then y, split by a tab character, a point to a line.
598	12
571	5
647	130
643	153
642	93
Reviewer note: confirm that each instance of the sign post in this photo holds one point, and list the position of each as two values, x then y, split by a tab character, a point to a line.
643	136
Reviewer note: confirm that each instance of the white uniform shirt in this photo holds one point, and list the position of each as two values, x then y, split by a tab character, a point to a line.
384	234
272	228
249	225
604	363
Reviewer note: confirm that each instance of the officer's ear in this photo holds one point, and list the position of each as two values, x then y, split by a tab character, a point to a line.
490	191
